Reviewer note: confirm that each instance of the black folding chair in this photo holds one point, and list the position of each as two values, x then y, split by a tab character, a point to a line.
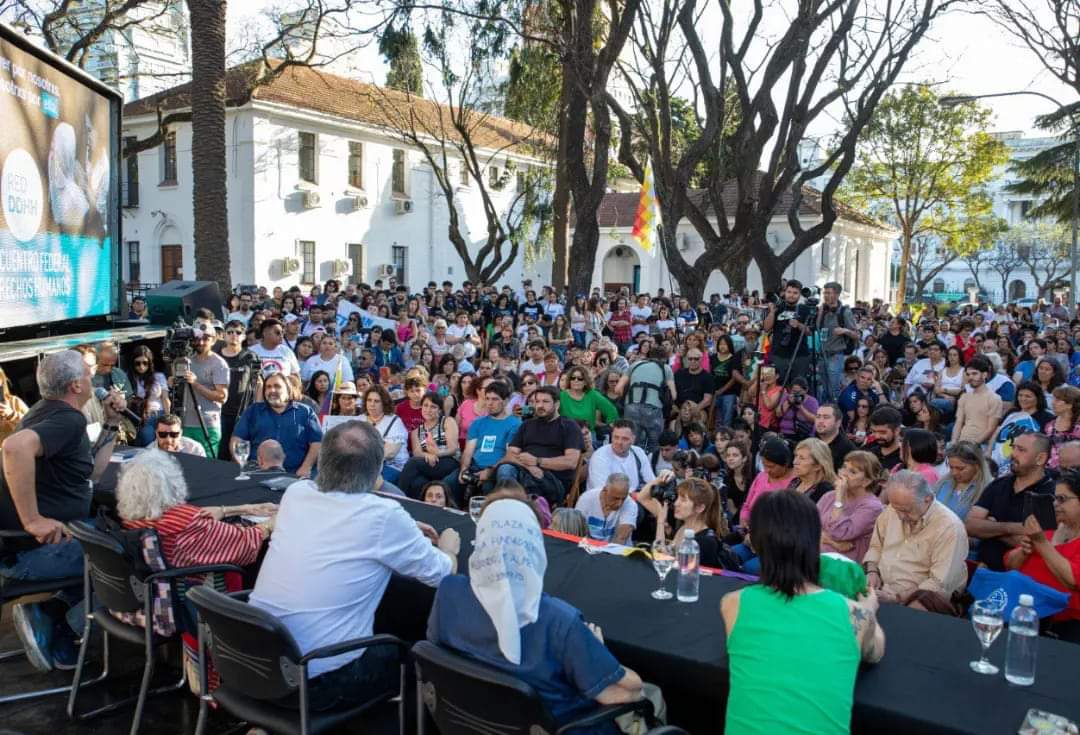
667	730
262	671
120	584
465	697
12	591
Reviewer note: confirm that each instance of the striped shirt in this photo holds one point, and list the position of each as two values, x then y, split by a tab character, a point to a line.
190	539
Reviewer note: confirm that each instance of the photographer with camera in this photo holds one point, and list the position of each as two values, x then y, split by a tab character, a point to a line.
789	320
797	411
695	505
610	513
840	337
207	377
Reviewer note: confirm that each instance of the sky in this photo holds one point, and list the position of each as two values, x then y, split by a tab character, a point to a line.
966	53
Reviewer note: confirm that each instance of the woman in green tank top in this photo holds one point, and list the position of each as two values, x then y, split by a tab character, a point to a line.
793	647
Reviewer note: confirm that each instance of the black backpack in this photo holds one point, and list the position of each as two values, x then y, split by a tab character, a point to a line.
663	392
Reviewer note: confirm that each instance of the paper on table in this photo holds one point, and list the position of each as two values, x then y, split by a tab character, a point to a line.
255	519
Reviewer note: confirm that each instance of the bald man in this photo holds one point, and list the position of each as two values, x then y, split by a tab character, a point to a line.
271	456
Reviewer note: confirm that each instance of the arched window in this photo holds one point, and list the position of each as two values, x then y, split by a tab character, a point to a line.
1017	290
939	285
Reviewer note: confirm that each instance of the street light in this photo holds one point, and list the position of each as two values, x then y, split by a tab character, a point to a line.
1074	251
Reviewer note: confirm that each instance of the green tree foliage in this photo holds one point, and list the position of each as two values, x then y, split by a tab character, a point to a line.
532	91
924	168
400	49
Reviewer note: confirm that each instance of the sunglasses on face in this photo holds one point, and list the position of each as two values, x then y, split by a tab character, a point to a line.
144	363
168	434
239	333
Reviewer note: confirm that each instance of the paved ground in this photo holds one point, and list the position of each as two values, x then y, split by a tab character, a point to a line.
171	713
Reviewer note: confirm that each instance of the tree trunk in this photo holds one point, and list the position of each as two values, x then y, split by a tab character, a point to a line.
209	186
772	272
583	254
560	200
734	268
905	257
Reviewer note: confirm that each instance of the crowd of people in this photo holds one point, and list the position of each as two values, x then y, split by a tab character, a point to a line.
903	446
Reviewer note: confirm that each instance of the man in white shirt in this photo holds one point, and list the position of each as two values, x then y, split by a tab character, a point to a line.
620	457
609	511
535	363
335	546
461	331
934	362
272	350
245	312
641	313
327	360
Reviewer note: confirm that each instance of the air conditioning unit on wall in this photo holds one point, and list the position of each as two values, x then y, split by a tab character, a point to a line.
385	271
290	266
359	202
311	199
341	267
403	206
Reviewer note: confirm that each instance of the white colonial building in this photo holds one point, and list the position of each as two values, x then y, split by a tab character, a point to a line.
318	188
855	254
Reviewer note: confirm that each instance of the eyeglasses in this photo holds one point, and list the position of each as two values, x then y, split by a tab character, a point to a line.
691	358
577	377
1062	499
141	362
528	382
168	434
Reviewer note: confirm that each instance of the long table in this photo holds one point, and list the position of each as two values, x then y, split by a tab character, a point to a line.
922	685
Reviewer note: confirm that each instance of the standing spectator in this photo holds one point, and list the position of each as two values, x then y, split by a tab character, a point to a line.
243	364
849	512
727	379
271	348
997	518
610	512
792	661
788	321
208	376
544	454
840	335
621	325
917	544
644	388
978	411
282	417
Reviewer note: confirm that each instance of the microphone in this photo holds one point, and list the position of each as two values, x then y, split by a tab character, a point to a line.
101	394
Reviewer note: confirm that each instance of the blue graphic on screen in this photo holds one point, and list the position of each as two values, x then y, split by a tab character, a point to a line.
57	208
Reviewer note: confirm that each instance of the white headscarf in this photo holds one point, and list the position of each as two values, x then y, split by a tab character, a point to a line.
506	570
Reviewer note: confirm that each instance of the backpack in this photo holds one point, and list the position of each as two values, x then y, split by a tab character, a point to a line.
662	391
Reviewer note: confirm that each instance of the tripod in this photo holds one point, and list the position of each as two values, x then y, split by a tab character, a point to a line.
177	393
812	347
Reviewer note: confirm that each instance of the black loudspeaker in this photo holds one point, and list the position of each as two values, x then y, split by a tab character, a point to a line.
183	299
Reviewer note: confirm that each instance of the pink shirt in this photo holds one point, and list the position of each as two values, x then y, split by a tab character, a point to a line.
926	470
762	484
853	524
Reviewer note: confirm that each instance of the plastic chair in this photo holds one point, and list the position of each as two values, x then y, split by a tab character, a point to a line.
260	667
13	590
119	585
465	696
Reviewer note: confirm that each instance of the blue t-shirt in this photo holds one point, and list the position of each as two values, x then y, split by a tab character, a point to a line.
849	398
560	657
1026	369
296	428
491	435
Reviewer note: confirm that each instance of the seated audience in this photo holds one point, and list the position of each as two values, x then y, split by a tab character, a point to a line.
1053	557
968	475
885	423
544	453
828	425
917	543
849	512
170	437
997	518
335	547
610	512
775	475
789	642
280	416
813	469
501	616
569	521
434	448
379	412
345	400
436	493
697	507
270	457
487	441
621	456
919	450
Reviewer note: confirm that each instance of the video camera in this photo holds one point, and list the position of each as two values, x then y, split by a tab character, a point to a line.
177	343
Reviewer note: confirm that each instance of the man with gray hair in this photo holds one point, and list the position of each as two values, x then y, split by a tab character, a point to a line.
48	466
271	457
1069	456
336	543
610	512
917	543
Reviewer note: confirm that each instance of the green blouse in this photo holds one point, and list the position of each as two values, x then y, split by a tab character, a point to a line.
585	409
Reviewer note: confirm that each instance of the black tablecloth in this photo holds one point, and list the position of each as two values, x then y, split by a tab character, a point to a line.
922	685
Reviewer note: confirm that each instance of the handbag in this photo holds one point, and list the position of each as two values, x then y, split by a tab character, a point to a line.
1005	588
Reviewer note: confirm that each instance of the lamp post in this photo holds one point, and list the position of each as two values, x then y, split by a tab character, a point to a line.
1074	251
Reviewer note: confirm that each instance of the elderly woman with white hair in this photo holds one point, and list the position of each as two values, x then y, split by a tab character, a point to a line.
151	493
516	627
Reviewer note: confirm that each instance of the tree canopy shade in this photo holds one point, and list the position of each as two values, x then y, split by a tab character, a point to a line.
924	167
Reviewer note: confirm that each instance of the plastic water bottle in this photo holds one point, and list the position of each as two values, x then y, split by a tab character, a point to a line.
688	555
1023	643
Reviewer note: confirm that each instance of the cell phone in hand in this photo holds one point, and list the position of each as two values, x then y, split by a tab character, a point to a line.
1041	505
